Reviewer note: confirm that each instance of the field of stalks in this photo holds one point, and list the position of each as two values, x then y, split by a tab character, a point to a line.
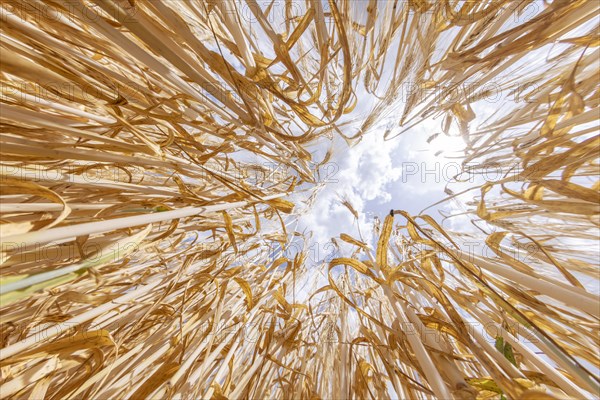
143	239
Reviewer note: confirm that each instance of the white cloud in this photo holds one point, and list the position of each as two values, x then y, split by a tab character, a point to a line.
363	174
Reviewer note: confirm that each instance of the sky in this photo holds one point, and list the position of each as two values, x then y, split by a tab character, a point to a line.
407	172
376	176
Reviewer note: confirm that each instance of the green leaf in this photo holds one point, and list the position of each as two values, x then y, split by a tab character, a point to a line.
506	349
